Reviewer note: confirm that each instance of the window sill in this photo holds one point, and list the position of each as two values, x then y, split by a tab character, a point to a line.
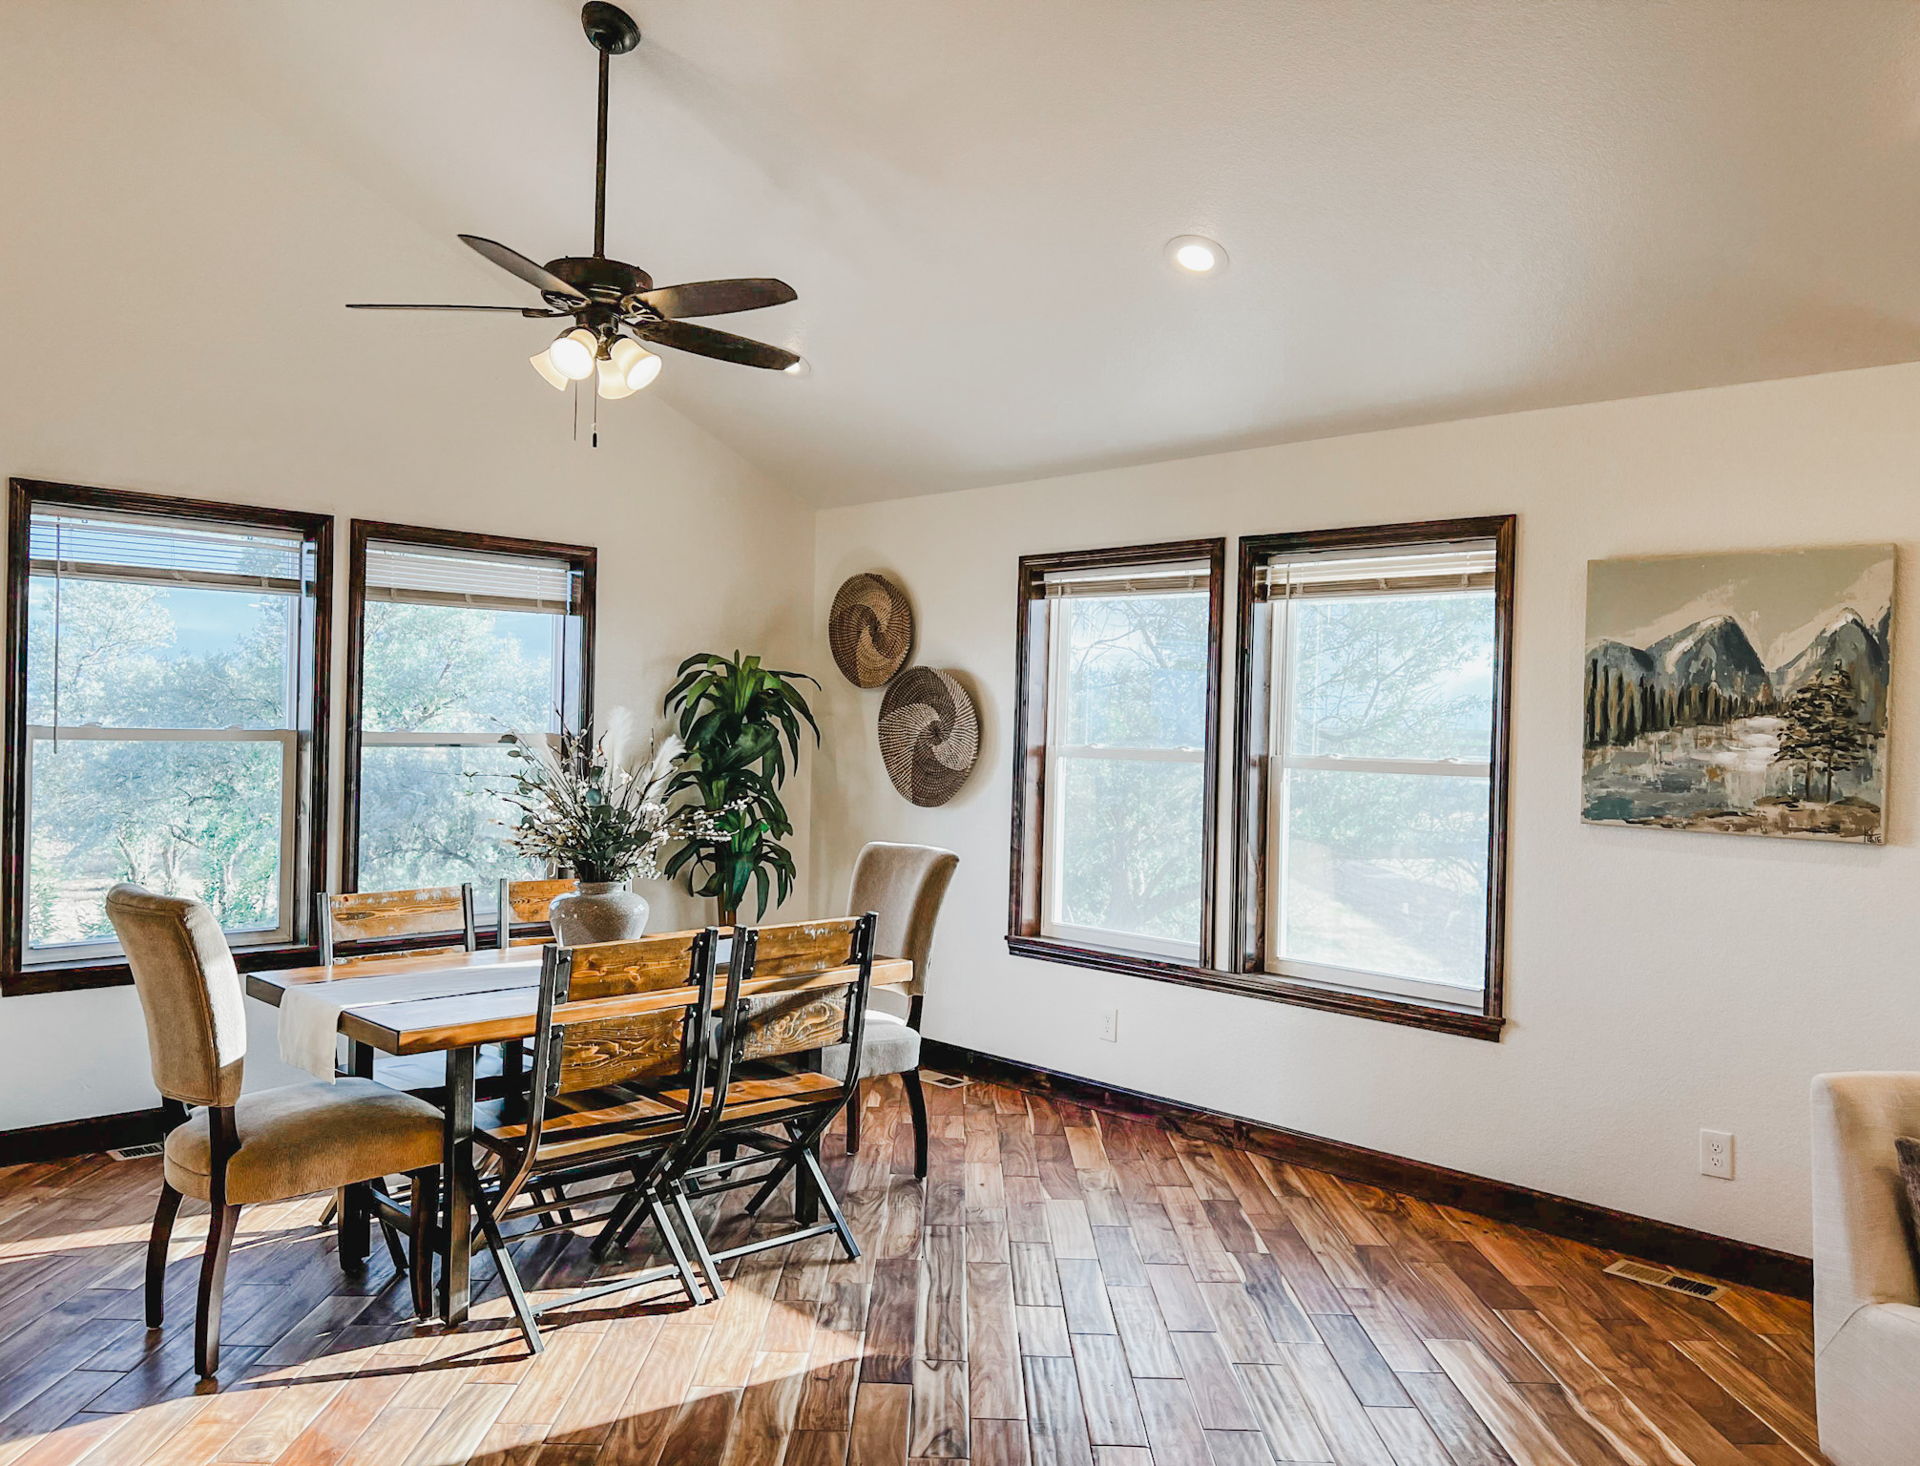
1464	1022
112	972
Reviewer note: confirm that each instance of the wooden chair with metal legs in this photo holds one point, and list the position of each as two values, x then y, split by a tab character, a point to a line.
269	1145
904	886
790	990
619	1082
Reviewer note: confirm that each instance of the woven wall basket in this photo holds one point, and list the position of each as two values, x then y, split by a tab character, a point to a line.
870	630
929	735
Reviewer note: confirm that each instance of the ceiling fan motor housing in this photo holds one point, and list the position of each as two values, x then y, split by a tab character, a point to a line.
599	278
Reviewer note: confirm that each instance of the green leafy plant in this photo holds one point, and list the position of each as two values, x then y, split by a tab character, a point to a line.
740	723
588	805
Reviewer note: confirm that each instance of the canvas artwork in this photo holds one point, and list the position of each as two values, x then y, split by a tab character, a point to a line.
1744	694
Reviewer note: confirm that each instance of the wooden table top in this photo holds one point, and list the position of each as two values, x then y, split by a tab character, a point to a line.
454	1021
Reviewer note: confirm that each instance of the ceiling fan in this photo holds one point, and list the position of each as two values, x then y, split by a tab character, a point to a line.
614	305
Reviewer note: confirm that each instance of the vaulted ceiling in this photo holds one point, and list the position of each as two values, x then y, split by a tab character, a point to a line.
1434	208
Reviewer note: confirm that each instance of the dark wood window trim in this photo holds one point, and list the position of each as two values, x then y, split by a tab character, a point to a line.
15	976
1029	752
1250	800
585	561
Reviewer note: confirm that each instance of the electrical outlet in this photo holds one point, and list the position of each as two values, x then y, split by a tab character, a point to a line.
1110	1025
1716	1154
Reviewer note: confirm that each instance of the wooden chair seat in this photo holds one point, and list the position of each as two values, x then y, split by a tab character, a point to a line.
608	1120
581	1124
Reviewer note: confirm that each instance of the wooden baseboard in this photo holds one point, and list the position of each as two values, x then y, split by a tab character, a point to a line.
1616	1231
81	1137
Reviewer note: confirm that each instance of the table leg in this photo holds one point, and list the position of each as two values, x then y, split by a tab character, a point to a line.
456	1282
356	1207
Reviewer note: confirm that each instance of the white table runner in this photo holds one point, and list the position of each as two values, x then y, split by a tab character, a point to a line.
310	1012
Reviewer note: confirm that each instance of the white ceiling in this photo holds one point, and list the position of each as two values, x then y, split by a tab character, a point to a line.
1434	208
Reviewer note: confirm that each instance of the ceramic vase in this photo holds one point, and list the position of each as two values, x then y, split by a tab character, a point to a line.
601	911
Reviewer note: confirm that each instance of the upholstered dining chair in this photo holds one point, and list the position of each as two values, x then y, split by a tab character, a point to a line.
269	1145
904	885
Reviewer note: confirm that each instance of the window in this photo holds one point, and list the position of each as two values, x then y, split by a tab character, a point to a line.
1372	784
1367	840
1114	792
456	639
166	658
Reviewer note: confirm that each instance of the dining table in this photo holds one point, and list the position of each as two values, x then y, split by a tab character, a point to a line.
456	1025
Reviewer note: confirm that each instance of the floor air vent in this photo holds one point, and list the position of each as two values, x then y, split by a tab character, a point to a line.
137	1152
1659	1277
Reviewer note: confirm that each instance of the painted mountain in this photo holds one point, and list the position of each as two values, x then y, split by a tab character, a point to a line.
1742	694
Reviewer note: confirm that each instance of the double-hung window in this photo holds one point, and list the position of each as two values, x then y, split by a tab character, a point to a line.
1372	801
167	659
1115	799
457	640
1363	821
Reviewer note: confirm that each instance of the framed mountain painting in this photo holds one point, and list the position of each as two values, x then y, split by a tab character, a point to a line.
1744	694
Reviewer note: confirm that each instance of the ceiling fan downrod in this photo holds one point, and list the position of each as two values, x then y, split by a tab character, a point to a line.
613	33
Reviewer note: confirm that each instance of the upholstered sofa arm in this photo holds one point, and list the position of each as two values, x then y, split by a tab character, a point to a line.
1869	1385
1862	1242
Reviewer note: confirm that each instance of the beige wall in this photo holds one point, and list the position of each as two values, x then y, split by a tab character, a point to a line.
1659	982
171	274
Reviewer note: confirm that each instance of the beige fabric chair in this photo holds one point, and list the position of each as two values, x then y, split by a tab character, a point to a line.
904	885
268	1146
1866	1295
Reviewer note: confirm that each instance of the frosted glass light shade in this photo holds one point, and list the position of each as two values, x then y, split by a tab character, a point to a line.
572	355
637	366
612	384
543	364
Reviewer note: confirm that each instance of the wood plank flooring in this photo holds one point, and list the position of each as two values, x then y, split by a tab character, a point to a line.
1068	1289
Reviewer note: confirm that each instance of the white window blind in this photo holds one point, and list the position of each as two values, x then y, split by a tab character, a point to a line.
1132	580
468	578
1467	566
96	546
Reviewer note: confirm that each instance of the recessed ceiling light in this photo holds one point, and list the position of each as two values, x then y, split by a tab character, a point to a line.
800	368
1196	255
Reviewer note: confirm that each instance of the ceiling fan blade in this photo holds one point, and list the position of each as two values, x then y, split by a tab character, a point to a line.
717	297
518	310
721	345
515	263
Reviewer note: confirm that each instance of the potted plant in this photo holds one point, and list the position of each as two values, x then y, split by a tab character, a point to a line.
589	808
740	723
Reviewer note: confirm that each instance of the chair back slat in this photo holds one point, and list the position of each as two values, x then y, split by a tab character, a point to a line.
643	1048
777	1023
526	903
383	916
805	946
608	968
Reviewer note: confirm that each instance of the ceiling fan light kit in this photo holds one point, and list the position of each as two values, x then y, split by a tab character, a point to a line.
616	310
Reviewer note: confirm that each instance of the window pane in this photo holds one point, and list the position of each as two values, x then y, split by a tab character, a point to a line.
434	817
124	655
454	669
1392	676
1127	846
1136	671
1386	873
199	818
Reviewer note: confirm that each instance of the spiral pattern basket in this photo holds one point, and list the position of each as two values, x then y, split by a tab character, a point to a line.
870	630
929	735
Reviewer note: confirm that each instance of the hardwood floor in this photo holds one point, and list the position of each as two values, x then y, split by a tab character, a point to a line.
1068	1289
